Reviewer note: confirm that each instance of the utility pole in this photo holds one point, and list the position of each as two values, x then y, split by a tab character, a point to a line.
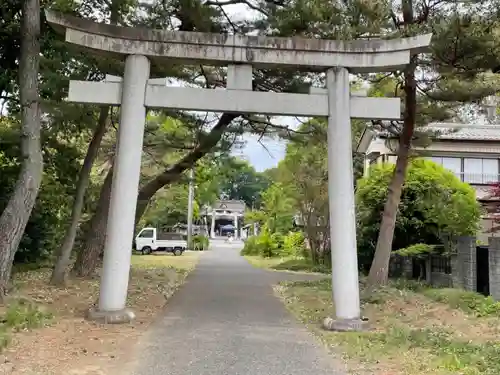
190	210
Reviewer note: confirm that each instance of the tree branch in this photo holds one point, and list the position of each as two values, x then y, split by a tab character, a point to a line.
174	172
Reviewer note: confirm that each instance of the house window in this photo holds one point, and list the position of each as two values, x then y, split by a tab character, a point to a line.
480	171
436	159
490	171
471	170
452	164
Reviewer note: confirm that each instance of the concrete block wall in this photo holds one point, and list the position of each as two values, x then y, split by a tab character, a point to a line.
428	270
456	279
396	266
494	267
407	268
467	263
464	267
441	280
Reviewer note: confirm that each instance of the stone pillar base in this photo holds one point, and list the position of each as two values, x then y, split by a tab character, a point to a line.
110	317
345	325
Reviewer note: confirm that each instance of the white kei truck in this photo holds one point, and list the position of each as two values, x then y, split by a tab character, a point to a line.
150	239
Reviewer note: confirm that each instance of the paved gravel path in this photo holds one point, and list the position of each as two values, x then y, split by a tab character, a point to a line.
226	321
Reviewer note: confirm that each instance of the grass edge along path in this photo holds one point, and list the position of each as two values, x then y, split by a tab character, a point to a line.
410	333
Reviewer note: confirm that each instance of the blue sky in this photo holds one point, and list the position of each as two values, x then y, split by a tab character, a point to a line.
266	153
260	157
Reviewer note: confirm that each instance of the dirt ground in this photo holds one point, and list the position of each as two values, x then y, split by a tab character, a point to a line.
70	345
409	333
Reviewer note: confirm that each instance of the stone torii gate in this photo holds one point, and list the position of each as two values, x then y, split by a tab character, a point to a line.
136	92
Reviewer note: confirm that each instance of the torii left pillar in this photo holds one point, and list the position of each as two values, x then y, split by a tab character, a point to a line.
124	190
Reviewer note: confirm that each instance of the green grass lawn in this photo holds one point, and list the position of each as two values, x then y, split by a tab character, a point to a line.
413	331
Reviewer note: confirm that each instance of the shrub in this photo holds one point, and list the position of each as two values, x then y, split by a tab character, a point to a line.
277	239
294	244
276	244
251	247
200	243
419	250
434	202
266	242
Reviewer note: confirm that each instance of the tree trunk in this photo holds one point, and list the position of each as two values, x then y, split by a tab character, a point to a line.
64	256
88	257
18	210
379	271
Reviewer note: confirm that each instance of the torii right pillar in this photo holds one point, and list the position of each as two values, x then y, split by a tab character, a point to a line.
345	281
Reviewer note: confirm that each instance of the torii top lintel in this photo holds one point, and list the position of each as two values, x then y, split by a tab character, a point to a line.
376	55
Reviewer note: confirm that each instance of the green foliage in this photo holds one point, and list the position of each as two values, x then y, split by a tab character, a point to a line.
49	217
301	181
255	216
250	247
277	207
266	244
294	244
238	180
169	207
269	245
434	203
200	242
418	250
